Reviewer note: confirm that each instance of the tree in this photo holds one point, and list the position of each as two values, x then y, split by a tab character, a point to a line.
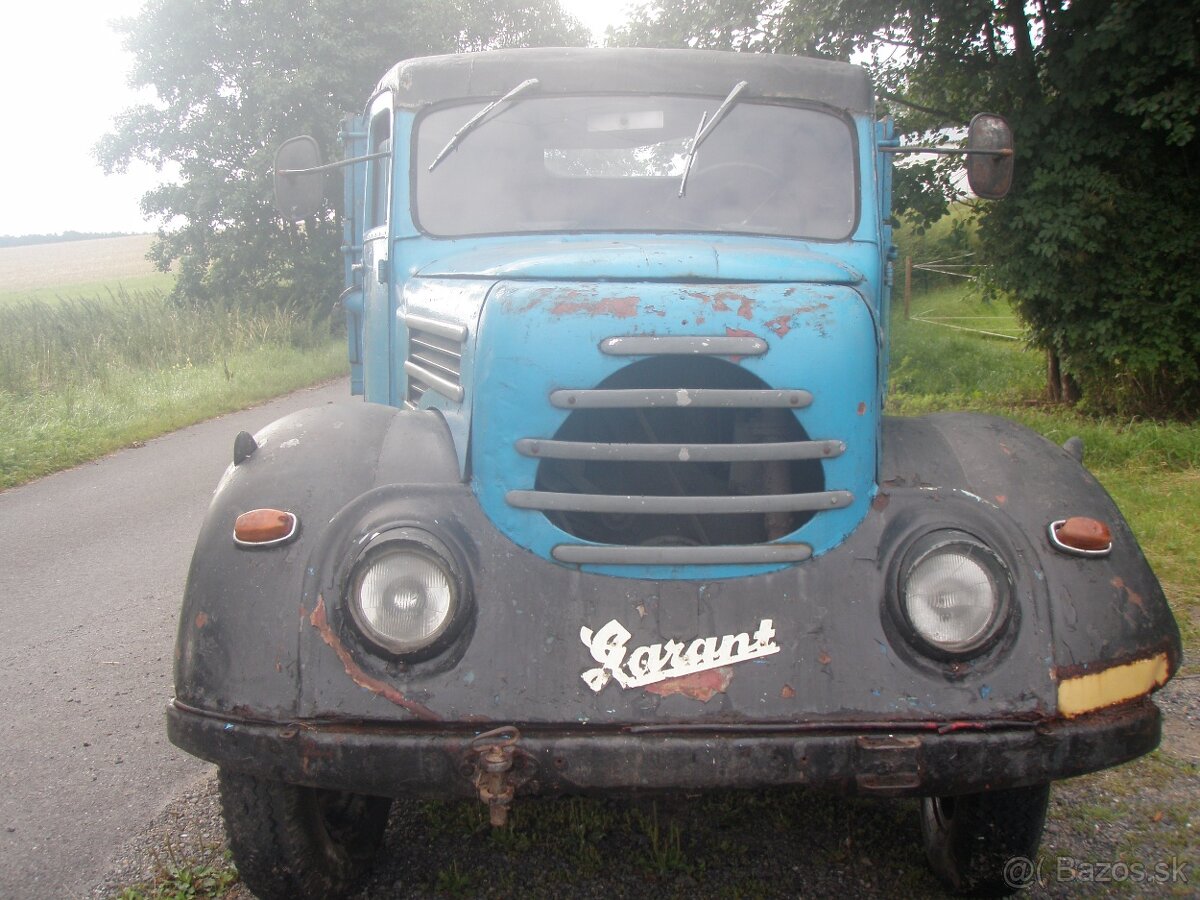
233	79
1097	242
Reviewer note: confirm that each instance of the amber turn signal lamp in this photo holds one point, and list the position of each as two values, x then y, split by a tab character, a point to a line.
1081	536
264	527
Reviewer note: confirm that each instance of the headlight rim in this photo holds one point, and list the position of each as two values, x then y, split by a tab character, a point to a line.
437	551
919	549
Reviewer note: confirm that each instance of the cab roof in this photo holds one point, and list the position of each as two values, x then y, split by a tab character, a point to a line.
571	70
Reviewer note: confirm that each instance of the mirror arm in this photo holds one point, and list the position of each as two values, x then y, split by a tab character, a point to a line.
948	151
340	164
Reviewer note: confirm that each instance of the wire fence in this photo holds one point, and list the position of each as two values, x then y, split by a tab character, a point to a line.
961	266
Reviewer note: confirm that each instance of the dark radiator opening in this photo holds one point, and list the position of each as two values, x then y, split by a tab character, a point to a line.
681	425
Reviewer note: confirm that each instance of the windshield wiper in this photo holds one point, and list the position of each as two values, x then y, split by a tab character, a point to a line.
476	120
704	129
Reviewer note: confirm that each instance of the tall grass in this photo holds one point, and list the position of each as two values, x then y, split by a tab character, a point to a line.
72	342
82	377
936	369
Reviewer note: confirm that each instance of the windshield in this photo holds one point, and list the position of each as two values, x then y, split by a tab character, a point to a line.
554	164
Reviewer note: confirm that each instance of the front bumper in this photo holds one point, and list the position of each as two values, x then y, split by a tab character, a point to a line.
882	758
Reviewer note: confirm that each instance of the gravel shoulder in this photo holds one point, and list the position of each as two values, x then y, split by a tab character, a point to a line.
1130	831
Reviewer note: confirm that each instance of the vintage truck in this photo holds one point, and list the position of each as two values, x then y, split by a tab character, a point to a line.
622	511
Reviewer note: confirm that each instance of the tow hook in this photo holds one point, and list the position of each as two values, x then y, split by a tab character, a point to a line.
493	770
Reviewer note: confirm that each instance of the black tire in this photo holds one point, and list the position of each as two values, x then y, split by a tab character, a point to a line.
971	841
297	842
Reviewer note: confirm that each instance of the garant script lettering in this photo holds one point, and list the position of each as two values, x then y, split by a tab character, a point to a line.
651	663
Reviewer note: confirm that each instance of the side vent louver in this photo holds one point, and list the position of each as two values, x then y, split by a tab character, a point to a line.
434	360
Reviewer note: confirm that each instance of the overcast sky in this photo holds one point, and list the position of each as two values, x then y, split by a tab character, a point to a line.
63	78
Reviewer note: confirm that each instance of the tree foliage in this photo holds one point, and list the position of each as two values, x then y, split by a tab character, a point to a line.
1098	241
234	78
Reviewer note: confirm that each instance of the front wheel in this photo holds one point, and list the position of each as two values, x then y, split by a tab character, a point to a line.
298	842
977	843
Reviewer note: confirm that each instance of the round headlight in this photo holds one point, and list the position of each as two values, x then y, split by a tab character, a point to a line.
403	595
954	592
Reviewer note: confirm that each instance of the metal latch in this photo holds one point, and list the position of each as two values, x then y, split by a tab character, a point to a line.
493	776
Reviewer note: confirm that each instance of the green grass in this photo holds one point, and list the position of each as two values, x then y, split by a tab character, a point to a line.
935	368
80	378
213	877
44	433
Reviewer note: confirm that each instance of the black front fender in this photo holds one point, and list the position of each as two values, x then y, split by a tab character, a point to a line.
1103	611
238	633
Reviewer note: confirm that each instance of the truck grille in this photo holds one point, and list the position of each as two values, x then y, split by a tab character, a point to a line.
434	361
680	458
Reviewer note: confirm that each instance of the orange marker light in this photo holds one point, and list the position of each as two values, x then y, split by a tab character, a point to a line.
1081	535
264	527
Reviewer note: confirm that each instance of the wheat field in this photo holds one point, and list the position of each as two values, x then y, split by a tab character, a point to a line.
62	267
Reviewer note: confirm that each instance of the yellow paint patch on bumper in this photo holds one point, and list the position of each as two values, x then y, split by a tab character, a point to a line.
1111	686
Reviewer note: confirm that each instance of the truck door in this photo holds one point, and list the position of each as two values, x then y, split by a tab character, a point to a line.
377	307
354	144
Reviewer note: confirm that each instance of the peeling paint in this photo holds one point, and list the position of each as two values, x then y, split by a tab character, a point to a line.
1134	597
702	686
862	408
732	332
781	325
617	307
287	445
319	621
721	300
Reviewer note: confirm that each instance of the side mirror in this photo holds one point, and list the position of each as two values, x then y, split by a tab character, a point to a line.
299	178
989	156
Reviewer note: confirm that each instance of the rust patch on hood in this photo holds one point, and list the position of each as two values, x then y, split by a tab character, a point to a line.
732	332
700	686
319	621
617	307
781	325
721	300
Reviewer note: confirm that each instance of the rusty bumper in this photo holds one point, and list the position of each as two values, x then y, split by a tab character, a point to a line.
896	758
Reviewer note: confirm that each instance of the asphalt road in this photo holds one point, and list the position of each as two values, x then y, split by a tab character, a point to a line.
92	567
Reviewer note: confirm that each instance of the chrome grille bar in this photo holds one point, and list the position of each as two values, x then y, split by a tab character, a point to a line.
764	452
682	398
616	503
433	381
434	358
747	554
433	326
447	366
670	345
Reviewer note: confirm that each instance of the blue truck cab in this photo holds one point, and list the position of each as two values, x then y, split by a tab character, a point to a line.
622	510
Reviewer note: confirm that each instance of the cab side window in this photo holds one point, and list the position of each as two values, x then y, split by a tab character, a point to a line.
379	170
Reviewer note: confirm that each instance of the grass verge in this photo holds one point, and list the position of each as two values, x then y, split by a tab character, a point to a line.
47	432
80	378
